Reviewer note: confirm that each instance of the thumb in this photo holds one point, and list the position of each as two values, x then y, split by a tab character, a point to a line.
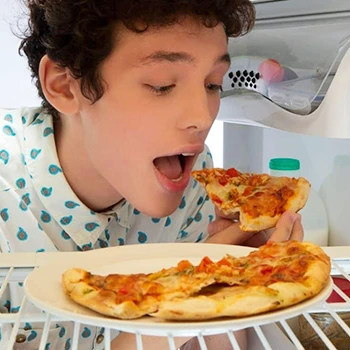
218	225
286	229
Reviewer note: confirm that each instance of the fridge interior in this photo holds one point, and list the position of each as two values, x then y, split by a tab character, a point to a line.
299	106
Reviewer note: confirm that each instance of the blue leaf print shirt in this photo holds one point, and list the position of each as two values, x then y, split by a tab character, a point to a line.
39	212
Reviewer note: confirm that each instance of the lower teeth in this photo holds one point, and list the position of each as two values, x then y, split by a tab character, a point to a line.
178	179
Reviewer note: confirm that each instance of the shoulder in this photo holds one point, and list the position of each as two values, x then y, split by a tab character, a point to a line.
18	118
13	123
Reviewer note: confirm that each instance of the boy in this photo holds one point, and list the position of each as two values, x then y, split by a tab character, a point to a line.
130	90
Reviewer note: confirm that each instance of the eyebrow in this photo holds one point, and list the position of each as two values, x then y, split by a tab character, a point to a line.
169	56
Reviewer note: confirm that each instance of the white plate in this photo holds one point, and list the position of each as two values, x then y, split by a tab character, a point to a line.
43	287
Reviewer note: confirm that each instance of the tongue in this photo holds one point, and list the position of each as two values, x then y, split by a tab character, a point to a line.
169	166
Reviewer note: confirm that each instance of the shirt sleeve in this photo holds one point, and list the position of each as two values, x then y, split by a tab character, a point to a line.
200	209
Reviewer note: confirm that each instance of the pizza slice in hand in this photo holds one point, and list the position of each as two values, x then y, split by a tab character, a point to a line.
260	199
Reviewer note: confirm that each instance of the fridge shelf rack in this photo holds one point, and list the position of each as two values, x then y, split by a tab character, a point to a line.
15	267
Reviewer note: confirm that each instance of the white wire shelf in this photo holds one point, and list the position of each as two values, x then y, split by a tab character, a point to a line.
15	267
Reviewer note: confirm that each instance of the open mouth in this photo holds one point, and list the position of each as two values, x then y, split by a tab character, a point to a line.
173	167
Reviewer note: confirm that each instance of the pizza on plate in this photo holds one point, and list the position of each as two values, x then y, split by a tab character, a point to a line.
134	295
275	276
260	199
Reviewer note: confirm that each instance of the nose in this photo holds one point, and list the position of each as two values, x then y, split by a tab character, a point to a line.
198	112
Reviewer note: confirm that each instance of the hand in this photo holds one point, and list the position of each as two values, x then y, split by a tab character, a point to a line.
224	231
288	227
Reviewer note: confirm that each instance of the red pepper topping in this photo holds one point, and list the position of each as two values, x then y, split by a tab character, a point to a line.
216	199
248	191
266	270
123	290
232	172
183	265
224	261
206	265
223	180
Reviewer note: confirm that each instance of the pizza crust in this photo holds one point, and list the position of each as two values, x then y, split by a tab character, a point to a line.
219	301
234	302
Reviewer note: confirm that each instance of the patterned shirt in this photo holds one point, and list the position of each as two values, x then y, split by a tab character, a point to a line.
39	212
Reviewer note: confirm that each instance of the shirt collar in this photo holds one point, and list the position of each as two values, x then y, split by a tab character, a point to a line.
122	211
83	225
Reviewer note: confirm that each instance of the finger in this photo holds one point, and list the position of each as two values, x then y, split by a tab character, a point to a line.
230	235
284	227
298	230
220	214
258	239
218	225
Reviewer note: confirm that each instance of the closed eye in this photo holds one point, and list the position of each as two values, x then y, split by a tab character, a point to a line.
160	90
214	87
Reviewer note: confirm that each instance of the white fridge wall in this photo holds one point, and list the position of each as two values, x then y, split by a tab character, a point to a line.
250	148
316	154
288	8
16	87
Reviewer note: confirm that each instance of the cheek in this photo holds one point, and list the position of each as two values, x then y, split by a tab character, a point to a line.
214	105
112	142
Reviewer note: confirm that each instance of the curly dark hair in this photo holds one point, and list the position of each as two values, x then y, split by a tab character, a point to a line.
79	34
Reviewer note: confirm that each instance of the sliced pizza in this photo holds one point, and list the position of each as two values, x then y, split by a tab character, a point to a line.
260	199
275	276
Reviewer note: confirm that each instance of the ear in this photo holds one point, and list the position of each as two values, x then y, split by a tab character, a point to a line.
59	87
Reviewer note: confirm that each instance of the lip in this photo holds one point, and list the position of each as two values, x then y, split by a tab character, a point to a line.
197	149
179	186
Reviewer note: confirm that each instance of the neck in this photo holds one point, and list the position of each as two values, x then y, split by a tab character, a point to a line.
84	179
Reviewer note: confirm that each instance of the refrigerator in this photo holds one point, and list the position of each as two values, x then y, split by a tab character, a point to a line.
286	95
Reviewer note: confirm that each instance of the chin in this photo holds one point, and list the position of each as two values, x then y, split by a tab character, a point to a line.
160	209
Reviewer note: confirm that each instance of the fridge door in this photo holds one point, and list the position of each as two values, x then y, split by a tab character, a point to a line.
291	72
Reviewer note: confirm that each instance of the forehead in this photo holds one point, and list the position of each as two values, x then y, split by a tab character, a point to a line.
188	35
